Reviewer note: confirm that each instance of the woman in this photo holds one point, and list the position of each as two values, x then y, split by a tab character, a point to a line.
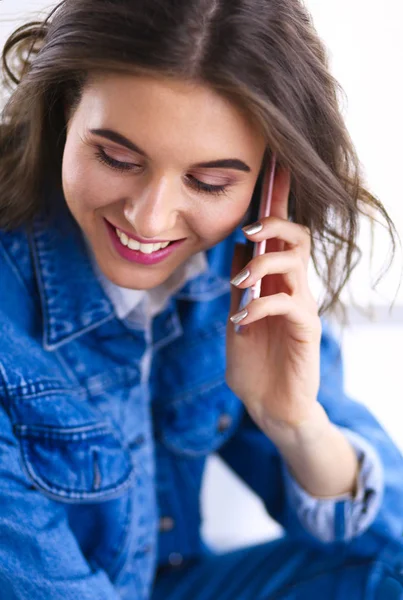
135	138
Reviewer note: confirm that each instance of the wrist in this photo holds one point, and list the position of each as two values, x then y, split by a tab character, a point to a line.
319	456
308	431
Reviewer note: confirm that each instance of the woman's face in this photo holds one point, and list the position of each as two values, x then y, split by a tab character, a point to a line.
150	161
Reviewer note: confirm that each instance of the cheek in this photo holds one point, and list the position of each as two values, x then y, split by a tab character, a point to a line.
216	222
86	185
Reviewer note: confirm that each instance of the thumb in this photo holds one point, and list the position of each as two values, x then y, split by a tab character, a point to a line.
239	260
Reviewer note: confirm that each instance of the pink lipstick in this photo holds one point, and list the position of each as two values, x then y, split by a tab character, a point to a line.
136	255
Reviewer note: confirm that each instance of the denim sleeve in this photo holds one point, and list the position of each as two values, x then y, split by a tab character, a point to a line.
377	509
39	556
323	517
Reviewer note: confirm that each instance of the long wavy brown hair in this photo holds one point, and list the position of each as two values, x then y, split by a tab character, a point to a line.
264	55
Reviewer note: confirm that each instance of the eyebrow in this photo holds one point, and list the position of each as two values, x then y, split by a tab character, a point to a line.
224	163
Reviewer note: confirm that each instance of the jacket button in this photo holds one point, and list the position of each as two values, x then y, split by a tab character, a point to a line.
138	441
175	559
224	422
166	524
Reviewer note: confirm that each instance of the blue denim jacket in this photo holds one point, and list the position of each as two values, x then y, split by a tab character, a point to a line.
101	466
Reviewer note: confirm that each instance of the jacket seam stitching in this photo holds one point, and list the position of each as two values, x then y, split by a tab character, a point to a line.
68	493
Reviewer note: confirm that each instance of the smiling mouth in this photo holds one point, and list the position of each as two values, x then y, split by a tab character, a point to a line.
137	251
133	244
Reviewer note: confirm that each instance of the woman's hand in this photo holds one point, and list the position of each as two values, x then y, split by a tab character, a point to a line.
273	363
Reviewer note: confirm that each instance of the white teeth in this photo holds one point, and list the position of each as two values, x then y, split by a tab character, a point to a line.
124	239
146	248
135	245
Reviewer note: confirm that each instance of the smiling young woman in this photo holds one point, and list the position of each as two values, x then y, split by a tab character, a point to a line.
156	183
133	151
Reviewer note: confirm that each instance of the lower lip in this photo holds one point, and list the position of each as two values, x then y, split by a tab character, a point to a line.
137	256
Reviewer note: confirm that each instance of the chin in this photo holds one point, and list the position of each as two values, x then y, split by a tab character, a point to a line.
133	280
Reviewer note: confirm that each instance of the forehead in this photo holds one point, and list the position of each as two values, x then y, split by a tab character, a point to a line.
166	112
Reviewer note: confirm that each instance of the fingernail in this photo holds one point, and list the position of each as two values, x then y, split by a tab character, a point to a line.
252	229
240	316
241	277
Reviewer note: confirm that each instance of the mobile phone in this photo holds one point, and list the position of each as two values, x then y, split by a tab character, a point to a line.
259	248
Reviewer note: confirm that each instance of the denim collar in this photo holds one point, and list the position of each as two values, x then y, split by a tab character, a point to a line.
72	299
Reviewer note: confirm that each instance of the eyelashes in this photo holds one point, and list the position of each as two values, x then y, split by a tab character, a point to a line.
118	165
205	187
111	162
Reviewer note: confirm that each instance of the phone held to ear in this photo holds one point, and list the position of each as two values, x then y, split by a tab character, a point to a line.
259	248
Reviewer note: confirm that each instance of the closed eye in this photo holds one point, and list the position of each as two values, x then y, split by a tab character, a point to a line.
118	165
206	187
112	162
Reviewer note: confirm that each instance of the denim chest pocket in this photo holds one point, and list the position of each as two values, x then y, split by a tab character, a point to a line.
195	412
75	464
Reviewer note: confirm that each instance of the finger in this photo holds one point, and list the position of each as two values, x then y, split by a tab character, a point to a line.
277	305
289	264
292	234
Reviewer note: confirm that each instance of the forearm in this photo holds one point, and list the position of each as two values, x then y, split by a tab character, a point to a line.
319	456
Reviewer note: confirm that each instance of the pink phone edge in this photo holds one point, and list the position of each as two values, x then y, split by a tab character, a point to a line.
264	211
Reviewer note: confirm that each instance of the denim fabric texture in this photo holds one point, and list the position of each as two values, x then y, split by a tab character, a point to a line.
286	569
101	467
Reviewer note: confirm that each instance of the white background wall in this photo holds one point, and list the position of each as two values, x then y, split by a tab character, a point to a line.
366	49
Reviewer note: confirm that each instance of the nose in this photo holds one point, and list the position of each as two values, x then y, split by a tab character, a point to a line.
153	211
